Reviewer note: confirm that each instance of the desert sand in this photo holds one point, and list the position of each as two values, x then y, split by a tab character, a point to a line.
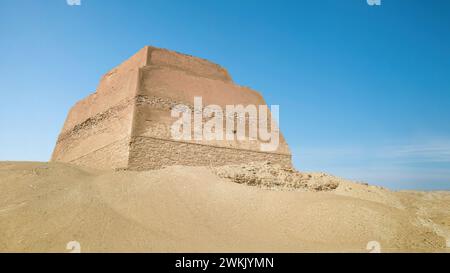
43	206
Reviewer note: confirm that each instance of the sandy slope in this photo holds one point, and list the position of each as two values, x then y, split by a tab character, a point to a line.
45	205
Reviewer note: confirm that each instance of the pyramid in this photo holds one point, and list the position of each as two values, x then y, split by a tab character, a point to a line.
126	123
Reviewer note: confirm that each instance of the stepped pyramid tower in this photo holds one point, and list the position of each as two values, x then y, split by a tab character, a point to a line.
126	123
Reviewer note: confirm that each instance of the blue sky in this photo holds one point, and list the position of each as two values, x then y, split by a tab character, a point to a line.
364	91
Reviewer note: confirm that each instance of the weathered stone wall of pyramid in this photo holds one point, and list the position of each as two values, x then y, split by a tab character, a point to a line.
170	78
126	123
98	128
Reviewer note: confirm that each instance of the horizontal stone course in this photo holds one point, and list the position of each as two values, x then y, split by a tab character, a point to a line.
152	153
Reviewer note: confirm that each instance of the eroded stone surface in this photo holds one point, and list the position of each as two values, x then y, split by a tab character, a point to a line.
275	176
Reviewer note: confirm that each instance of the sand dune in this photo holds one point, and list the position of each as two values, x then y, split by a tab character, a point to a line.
43	206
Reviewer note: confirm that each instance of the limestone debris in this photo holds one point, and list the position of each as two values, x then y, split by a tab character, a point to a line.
277	177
